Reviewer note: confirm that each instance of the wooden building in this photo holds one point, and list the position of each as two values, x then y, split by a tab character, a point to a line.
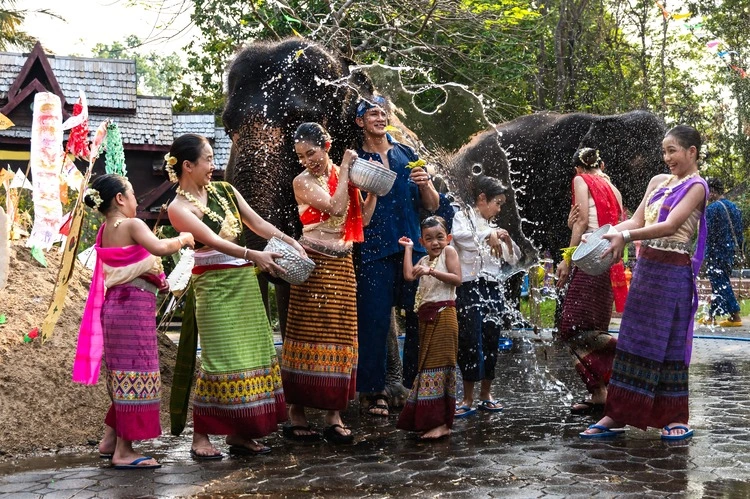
146	123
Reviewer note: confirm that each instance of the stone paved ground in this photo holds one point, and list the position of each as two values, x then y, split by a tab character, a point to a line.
532	449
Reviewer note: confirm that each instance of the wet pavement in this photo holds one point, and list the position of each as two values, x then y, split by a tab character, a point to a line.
532	449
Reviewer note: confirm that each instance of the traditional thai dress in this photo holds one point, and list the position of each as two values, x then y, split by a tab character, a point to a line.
238	387
319	356
587	308
120	321
432	398
649	383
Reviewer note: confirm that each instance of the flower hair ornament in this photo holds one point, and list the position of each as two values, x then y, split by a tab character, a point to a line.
596	160
93	194
169	167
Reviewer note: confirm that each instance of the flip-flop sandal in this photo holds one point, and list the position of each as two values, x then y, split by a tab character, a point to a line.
489	406
289	432
604	433
206	457
334	437
688	432
590	407
135	464
467	411
241	450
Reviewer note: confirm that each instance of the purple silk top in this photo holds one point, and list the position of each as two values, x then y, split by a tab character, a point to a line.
672	200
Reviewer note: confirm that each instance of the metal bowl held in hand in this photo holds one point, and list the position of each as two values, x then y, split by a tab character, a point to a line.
588	255
372	178
298	268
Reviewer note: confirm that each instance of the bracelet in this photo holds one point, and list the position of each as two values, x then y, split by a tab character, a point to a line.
626	236
180	241
244	255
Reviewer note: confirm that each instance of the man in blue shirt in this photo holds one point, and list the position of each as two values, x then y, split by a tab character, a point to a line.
724	223
380	282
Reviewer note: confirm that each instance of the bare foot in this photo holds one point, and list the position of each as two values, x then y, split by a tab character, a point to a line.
108	442
249	444
436	433
202	446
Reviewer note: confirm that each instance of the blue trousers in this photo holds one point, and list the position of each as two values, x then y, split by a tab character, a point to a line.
480	305
723	301
381	286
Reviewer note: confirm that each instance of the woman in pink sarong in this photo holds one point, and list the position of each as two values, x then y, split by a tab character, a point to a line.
119	321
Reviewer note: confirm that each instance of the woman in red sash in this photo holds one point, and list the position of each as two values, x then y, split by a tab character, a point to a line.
587	308
319	356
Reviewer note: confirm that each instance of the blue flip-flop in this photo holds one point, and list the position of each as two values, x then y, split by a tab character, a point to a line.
135	464
489	406
604	433
468	411
688	432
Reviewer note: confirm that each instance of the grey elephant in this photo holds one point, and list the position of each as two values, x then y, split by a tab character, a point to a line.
540	149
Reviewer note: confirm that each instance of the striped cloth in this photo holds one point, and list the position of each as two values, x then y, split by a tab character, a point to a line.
432	399
586	313
238	388
131	355
319	356
649	384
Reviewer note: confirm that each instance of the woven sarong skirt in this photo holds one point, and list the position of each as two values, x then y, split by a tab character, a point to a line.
319	356
649	383
131	355
238	387
432	399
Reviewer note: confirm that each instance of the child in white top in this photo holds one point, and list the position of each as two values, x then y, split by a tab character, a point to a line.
430	406
485	251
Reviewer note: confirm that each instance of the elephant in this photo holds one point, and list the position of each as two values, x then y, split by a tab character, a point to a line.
272	87
540	149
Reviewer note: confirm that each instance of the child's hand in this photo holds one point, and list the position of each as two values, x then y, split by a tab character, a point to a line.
420	270
494	243
406	242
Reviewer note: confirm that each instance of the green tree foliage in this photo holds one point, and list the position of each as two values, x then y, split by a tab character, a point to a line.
11	19
159	75
729	22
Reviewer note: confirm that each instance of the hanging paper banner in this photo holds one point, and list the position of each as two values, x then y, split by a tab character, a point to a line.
20	181
713	43
5	122
78	139
80	113
114	162
101	132
4	249
71	244
87	257
684	15
46	161
664	11
73	176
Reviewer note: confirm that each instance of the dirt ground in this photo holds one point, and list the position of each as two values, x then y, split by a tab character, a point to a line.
41	409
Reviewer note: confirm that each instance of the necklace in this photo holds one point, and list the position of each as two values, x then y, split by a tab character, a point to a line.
230	226
652	209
